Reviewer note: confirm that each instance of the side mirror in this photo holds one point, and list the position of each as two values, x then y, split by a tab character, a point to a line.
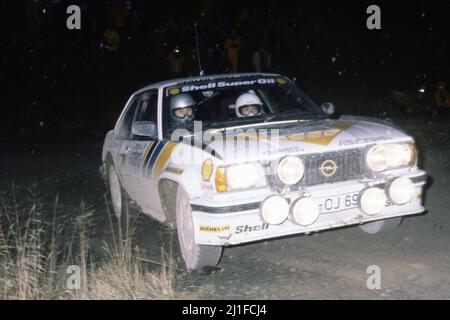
144	129
328	108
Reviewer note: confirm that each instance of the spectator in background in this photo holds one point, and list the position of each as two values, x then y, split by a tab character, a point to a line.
120	15
191	62
441	96
277	58
176	63
233	54
245	52
216	61
262	60
111	39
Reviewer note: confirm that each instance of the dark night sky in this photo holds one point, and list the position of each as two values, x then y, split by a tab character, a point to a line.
41	71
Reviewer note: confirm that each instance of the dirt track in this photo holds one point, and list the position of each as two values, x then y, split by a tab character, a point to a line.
414	260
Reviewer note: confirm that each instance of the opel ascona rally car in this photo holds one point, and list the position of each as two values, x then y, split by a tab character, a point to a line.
230	159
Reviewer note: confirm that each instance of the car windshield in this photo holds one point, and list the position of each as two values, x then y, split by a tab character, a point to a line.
230	102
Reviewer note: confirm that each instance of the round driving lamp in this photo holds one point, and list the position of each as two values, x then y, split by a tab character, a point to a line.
372	201
401	191
290	170
274	210
305	211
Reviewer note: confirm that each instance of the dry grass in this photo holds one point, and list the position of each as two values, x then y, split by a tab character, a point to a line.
38	244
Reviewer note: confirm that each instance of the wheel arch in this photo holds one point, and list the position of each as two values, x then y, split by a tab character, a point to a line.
168	185
108	158
104	169
167	189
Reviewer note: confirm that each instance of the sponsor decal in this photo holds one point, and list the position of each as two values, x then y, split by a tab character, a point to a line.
247	228
174	170
215	229
328	168
223	84
362	141
282	151
174	91
135	156
207	169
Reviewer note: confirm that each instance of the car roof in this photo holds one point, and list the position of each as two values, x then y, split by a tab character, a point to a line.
180	81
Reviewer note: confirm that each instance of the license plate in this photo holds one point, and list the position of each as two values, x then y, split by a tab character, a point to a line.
338	202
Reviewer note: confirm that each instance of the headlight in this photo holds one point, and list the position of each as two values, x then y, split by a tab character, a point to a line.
290	170
274	210
239	176
386	156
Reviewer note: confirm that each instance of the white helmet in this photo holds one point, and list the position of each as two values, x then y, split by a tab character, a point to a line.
248	104
182	101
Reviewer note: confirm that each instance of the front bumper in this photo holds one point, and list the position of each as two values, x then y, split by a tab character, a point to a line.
240	222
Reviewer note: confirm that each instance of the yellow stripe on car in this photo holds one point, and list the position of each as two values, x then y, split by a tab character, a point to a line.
163	157
323	138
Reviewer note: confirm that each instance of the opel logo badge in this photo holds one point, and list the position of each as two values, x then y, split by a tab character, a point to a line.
328	168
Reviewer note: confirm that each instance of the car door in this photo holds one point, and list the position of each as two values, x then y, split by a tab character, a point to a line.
154	156
133	148
123	141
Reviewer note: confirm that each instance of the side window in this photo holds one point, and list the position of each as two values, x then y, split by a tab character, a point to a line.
147	107
127	120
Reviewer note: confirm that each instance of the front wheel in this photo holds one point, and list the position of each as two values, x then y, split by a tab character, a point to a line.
195	256
381	226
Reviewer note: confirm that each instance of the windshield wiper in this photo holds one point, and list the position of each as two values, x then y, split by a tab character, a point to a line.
210	125
233	122
286	113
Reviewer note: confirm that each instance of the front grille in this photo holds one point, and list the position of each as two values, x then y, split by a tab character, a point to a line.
349	165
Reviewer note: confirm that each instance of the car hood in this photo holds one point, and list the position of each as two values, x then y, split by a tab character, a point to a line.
301	137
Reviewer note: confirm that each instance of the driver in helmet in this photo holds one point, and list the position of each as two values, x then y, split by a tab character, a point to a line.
182	111
248	105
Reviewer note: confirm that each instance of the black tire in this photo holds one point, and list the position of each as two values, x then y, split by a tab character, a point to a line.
381	226
195	256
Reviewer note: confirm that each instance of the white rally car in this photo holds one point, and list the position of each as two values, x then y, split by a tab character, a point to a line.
230	159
